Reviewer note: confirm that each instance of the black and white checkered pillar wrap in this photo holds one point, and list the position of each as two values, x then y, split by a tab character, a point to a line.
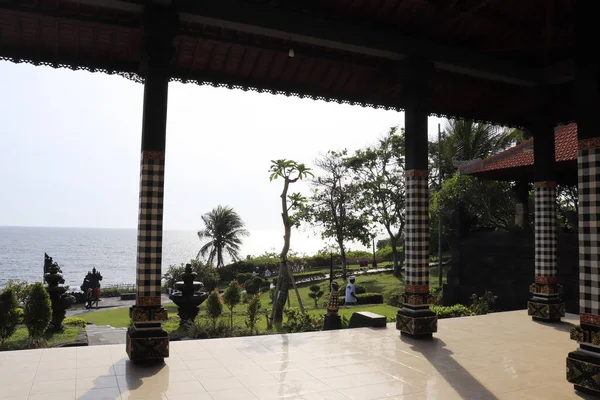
417	228
588	167
149	250
545	229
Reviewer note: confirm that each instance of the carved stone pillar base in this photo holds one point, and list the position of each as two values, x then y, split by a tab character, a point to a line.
583	371
149	344
416	323
332	321
146	340
546	304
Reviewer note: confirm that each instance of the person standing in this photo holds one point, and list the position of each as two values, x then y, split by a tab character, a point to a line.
96	296
88	294
351	299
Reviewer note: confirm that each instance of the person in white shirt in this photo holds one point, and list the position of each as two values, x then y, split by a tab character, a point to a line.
267	274
350	298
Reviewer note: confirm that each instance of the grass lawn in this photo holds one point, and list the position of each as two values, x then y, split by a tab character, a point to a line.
19	339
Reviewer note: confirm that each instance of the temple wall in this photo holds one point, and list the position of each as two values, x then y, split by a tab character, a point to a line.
503	262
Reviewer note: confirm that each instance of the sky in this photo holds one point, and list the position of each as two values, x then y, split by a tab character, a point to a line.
70	151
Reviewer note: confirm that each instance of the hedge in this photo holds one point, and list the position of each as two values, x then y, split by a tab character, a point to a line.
366	298
457	310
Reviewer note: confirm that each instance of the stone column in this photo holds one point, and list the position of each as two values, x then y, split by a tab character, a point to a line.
146	340
583	365
546	304
415	318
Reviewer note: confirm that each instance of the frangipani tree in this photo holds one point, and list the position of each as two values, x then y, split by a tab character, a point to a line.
291	172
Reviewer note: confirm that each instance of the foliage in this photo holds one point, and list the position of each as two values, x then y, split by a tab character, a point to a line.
253	313
457	310
482	305
200	329
21	289
301	322
243	276
316	293
485	204
366	298
37	314
438	294
224	229
566	207
214	307
20	314
75	321
232	297
332	205
205	274
8	314
117	290
393	298
379	175
20	339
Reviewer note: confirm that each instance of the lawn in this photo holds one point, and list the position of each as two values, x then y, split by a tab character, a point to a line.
18	341
381	283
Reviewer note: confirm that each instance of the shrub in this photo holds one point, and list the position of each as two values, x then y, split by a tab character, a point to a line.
298	322
206	274
481	305
21	289
316	293
457	310
214	307
253	313
117	290
232	297
8	314
75	321
393	298
251	285
367	298
200	329
38	313
243	276
20	313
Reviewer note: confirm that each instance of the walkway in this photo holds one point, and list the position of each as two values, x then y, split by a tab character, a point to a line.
495	356
101	335
110	302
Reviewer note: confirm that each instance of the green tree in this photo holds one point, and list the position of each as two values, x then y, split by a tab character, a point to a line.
9	316
291	172
253	310
232	297
379	174
205	273
37	314
332	206
224	229
316	293
214	307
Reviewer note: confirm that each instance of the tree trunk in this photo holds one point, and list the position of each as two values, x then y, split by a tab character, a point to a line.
395	255
281	294
344	261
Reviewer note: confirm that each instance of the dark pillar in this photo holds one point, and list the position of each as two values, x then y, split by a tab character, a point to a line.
146	340
583	365
546	303
415	318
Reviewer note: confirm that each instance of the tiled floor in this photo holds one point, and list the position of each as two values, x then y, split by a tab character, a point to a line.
497	356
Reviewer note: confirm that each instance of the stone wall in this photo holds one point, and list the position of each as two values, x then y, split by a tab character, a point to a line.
503	262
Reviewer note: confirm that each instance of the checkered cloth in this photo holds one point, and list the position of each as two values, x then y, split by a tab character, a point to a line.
545	229
149	254
588	168
417	230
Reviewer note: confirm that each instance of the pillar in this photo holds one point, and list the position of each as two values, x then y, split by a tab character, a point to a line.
521	190
583	365
146	340
546	303
415	318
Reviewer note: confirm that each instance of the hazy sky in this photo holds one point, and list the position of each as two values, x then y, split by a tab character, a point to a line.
70	150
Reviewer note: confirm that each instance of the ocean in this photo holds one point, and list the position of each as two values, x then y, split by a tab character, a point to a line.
78	250
113	251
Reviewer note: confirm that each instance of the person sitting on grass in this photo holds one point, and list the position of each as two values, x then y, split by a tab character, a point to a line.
351	298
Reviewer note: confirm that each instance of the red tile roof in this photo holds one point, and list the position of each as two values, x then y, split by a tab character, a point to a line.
522	155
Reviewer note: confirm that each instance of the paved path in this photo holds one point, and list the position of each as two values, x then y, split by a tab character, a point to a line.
108	303
100	335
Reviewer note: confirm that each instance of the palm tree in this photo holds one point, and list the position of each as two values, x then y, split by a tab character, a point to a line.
224	228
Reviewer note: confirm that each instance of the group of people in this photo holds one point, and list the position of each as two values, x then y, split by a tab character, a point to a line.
92	297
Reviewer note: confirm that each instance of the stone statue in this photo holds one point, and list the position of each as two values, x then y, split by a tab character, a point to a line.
91	280
60	303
